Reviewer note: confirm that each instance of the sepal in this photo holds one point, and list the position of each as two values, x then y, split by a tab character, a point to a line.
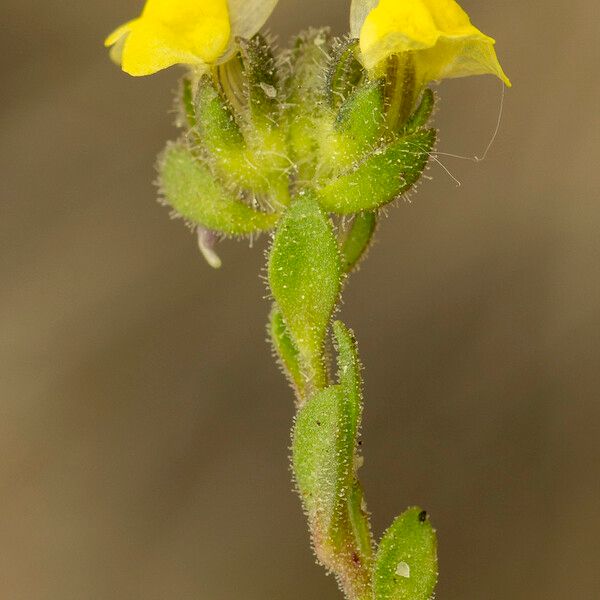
382	177
188	185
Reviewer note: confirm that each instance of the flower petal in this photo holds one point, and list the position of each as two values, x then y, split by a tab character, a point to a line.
439	33
455	57
152	47
119	33
171	32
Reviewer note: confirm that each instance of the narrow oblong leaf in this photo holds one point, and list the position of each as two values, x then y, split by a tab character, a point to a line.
262	79
344	73
382	177
286	351
216	122
406	561
356	239
325	438
325	461
359	124
422	113
190	188
304	276
306	99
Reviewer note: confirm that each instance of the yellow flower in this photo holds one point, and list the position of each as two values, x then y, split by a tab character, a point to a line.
438	33
192	32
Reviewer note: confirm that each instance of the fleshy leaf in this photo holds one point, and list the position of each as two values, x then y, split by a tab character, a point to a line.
219	130
422	113
262	79
304	275
190	188
325	460
406	561
359	123
381	177
306	100
286	351
356	238
345	72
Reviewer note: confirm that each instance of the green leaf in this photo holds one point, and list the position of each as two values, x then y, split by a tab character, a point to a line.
325	461
254	162
286	351
262	79
322	459
216	121
406	561
304	275
359	124
381	177
344	73
306	100
422	113
190	188
325	441
356	238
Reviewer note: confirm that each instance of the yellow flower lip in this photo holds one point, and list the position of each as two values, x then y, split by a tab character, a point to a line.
438	33
192	32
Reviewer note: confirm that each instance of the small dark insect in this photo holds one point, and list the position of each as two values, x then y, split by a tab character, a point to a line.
423	516
360	442
319	423
356	558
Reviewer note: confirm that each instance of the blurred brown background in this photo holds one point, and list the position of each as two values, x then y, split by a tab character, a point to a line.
143	426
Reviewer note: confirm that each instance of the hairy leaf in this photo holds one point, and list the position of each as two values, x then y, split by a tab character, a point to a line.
190	188
406	561
286	351
422	113
304	275
344	73
356	238
325	460
381	177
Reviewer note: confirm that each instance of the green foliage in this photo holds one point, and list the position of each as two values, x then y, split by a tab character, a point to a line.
306	101
219	131
356	238
406	562
382	177
297	144
325	461
305	277
344	73
286	351
262	80
422	114
190	188
358	125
